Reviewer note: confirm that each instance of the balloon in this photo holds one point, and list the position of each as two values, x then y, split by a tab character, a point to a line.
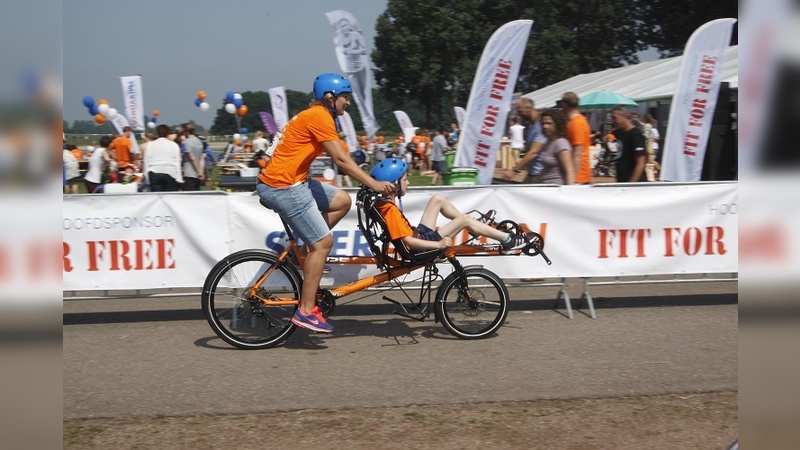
204	106
237	96
238	102
88	101
237	136
244	138
93	110
230	107
229	96
99	119
154	119
103	108
89	148
244	130
151	125
242	110
112	112
197	101
201	95
102	101
155	112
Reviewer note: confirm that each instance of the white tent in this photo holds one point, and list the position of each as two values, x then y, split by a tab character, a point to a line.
652	80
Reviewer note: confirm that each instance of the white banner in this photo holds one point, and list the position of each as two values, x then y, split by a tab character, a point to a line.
172	240
120	122
694	101
349	131
461	114
409	130
280	107
490	98
351	53
132	96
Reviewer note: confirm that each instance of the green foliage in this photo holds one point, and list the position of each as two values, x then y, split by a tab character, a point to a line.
671	22
89	127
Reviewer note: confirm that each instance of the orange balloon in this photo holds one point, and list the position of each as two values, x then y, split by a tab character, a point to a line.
99	119
155	113
201	95
242	110
102	101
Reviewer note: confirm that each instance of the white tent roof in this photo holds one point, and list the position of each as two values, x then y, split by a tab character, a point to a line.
645	81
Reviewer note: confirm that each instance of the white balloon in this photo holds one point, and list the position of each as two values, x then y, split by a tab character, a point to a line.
103	109
204	106
230	107
237	136
237	96
89	149
244	138
151	124
112	112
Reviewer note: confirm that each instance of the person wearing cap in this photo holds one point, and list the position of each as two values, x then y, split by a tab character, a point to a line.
309	207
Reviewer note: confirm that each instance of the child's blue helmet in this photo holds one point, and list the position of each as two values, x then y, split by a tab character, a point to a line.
331	82
390	169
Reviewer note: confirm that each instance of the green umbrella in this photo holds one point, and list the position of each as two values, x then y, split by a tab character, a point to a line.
605	99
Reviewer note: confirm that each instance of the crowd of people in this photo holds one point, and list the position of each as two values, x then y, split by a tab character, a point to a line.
555	144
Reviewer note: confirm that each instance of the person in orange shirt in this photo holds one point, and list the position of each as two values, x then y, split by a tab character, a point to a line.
120	149
579	135
312	208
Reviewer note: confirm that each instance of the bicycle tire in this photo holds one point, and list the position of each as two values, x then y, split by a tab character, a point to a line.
477	319
239	320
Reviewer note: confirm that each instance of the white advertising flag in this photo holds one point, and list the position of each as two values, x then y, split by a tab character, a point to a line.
694	101
349	131
280	107
351	53
490	98
409	130
133	98
461	113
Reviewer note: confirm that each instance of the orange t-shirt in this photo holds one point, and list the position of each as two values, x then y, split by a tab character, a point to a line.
396	223
77	153
579	133
121	146
300	143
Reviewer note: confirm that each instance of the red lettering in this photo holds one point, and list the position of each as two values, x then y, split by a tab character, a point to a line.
96	249
637	235
692	241
138	254
65	258
142	254
714	235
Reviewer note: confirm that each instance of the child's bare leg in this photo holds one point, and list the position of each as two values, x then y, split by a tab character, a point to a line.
473	226
438	204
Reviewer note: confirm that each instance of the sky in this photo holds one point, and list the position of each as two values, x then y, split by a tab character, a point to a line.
184	46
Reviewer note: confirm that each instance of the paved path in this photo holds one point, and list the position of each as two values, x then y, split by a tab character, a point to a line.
149	357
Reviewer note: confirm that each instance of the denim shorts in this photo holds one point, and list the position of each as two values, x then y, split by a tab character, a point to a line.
426	234
301	206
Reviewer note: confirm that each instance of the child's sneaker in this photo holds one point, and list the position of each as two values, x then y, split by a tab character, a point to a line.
515	243
312	321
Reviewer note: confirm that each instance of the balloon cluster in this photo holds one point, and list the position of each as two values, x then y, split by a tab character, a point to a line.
101	111
153	120
200	101
240	138
235	104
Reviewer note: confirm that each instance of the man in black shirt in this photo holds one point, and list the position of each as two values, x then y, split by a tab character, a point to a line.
630	144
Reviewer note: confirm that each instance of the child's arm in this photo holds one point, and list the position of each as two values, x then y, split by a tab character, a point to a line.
412	242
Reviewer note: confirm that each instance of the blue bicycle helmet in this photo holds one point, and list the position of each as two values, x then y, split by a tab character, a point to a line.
331	82
391	170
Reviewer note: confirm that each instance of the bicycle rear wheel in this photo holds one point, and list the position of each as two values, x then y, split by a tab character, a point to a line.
473	306
238	318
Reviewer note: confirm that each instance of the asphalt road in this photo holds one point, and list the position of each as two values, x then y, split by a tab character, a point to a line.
158	356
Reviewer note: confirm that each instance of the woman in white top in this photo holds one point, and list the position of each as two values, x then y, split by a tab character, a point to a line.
97	162
260	142
162	162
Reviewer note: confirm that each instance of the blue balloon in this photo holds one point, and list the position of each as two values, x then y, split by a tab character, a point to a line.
237	102
229	97
244	130
93	109
88	102
197	102
154	119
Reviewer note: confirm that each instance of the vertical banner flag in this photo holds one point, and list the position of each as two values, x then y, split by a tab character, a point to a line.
694	101
490	98
351	53
405	125
460	115
268	121
120	122
349	131
134	103
280	107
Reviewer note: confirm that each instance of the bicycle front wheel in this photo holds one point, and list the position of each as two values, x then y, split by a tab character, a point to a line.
473	306
241	319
